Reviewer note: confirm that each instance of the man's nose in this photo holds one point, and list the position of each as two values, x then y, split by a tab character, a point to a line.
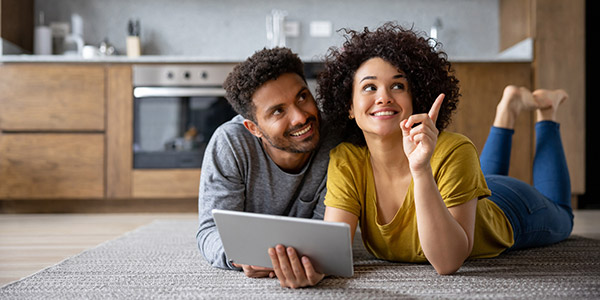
298	116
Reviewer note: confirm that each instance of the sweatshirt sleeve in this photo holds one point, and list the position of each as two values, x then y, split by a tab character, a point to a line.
221	186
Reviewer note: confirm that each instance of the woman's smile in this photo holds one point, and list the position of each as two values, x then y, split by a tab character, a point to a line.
381	98
384	114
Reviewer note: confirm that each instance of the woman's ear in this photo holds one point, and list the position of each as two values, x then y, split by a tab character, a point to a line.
253	128
351	113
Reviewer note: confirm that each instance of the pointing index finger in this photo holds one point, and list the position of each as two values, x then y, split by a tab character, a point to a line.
435	108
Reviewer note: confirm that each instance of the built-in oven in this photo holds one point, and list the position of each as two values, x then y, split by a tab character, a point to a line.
176	110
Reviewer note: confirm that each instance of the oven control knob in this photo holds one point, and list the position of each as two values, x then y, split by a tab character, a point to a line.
170	75
204	75
186	75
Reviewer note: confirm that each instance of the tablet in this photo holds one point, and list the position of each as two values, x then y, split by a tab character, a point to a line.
247	236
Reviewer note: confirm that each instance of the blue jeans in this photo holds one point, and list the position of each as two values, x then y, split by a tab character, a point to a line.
540	214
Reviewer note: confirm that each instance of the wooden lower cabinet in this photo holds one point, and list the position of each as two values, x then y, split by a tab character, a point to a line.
481	86
52	97
168	183
51	166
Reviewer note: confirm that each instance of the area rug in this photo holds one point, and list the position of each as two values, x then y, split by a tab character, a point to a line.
161	261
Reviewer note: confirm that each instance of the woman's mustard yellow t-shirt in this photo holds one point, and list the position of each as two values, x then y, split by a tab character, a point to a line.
456	169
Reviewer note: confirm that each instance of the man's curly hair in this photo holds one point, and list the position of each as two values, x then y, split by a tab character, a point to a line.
428	72
248	76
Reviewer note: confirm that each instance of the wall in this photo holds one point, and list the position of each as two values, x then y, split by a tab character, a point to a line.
235	29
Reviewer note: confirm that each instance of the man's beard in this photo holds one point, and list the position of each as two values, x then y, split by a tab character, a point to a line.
286	144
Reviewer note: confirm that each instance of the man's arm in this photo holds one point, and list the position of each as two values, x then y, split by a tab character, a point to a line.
221	186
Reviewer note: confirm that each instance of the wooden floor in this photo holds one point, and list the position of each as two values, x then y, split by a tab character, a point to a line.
32	242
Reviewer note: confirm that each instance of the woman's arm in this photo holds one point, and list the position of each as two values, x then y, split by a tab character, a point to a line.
446	234
333	214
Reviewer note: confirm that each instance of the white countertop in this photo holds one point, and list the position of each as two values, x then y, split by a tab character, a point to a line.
25	58
520	52
196	59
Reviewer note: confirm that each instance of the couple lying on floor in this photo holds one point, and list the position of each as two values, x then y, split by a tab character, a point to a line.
372	150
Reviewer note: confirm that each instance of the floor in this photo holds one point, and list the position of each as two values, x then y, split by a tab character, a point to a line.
32	242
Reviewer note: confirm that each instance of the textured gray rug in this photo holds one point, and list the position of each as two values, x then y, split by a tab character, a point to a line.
160	260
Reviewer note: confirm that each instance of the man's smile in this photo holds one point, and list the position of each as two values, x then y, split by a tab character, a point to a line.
302	131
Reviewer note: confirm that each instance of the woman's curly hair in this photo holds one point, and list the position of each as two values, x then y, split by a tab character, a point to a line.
428	72
249	75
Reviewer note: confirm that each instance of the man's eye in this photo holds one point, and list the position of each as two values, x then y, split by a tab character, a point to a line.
277	112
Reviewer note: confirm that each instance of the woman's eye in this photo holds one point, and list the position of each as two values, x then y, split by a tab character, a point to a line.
398	86
369	88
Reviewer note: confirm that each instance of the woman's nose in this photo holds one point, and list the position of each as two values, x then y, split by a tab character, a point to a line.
384	98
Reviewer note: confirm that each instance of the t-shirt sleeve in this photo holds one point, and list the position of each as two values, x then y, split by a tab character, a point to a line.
459	176
342	181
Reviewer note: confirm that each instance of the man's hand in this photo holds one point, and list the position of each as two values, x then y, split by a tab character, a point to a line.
292	271
255	271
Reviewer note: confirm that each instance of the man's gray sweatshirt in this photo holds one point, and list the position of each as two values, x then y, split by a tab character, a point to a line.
237	174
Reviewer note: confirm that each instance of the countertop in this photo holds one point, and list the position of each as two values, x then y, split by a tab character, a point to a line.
201	59
25	58
520	52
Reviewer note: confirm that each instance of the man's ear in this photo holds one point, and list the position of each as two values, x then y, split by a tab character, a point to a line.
253	128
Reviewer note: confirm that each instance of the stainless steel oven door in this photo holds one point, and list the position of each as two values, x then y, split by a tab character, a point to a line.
172	125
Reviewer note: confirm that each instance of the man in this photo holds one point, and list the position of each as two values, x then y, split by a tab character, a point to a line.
272	158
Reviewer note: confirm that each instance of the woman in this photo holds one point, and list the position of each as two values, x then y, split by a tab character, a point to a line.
420	195
418	191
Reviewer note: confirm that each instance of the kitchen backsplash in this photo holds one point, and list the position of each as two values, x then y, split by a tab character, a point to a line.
234	29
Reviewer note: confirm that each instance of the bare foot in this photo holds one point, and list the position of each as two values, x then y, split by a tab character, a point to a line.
514	100
551	100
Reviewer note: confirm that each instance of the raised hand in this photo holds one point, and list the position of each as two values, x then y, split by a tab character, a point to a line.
419	141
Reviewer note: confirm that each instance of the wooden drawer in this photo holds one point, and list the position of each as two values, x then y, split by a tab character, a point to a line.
51	166
169	183
52	97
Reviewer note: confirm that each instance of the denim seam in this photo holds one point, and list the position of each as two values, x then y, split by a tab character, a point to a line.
529	210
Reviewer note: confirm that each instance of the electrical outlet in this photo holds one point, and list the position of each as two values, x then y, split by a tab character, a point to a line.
320	28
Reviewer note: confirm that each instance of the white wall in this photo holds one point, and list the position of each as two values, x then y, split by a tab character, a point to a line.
236	28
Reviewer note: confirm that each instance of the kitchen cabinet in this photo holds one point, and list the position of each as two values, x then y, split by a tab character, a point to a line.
481	86
52	131
50	166
168	183
66	132
557	28
54	97
119	135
